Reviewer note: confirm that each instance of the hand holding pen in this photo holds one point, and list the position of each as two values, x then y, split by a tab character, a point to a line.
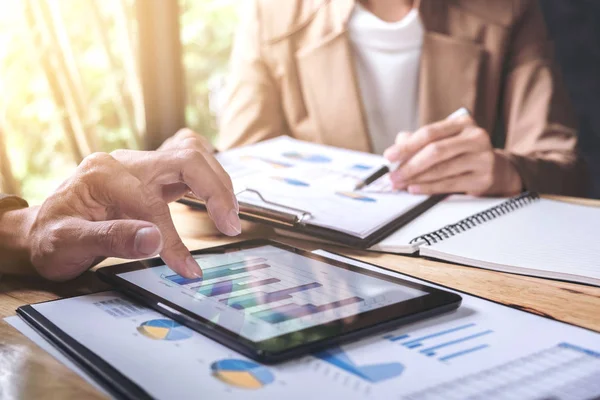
451	156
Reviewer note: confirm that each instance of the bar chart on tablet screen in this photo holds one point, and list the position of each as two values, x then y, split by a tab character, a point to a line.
275	294
264	292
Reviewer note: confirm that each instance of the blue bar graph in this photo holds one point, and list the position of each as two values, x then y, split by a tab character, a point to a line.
417	342
266	314
394	338
259	298
232	285
214	273
204	287
587	352
237	264
437	347
431	351
286	313
463	352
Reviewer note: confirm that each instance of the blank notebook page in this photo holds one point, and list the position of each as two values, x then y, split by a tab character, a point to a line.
448	211
545	238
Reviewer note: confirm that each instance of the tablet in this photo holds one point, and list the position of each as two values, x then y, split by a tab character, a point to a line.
272	302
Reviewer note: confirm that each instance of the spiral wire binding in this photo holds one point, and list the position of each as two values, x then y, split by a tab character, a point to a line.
477	219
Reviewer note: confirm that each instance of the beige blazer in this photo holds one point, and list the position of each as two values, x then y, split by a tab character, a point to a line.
292	73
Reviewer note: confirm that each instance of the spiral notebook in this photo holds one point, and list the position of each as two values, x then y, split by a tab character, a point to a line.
525	235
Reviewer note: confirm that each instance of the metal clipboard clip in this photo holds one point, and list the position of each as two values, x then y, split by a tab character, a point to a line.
292	216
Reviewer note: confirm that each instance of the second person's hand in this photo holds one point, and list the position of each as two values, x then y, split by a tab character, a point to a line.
451	156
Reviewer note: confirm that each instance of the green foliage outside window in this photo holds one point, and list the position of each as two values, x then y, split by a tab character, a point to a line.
34	127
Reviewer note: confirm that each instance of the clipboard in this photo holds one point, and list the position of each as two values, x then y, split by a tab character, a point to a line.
112	380
298	221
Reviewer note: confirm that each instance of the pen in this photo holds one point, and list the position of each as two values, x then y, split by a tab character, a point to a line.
389	167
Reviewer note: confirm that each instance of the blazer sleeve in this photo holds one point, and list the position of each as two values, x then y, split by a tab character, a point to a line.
541	136
252	110
8	202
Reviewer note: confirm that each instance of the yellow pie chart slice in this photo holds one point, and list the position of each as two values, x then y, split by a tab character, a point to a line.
241	379
154	332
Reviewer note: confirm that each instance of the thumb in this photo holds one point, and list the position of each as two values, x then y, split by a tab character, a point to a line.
122	238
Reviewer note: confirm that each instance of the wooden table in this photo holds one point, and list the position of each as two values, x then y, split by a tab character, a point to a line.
26	371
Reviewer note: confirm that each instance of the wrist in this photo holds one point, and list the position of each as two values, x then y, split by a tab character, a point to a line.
509	181
15	250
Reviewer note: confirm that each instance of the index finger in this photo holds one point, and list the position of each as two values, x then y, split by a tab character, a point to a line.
127	195
408	145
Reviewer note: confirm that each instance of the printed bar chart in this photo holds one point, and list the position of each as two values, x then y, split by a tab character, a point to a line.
292	311
464	352
431	350
451	348
396	338
233	285
258	298
418	342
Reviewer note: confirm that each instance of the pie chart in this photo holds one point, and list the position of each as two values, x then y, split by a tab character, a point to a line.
242	373
164	329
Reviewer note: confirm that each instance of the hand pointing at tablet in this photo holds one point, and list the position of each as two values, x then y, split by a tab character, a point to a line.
451	156
115	205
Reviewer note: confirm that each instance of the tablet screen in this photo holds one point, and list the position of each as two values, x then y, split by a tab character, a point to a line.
264	292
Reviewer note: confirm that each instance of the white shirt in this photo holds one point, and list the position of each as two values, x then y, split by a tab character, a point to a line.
387	58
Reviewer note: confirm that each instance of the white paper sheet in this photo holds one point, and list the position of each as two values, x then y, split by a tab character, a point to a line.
483	350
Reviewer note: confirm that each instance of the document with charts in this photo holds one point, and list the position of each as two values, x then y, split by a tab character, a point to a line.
309	189
482	351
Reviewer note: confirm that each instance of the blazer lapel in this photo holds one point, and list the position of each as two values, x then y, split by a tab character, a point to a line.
450	66
328	79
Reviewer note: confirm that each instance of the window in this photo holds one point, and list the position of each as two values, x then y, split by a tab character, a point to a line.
73	80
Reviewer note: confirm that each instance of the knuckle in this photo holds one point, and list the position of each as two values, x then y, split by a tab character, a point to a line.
94	166
119	154
480	135
188	155
403	148
479	132
429	133
94	159
466	120
401	137
185	133
55	236
435	149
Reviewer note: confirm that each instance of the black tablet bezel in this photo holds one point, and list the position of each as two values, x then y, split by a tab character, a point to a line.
285	347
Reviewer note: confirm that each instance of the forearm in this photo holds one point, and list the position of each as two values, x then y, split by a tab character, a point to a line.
14	249
551	173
